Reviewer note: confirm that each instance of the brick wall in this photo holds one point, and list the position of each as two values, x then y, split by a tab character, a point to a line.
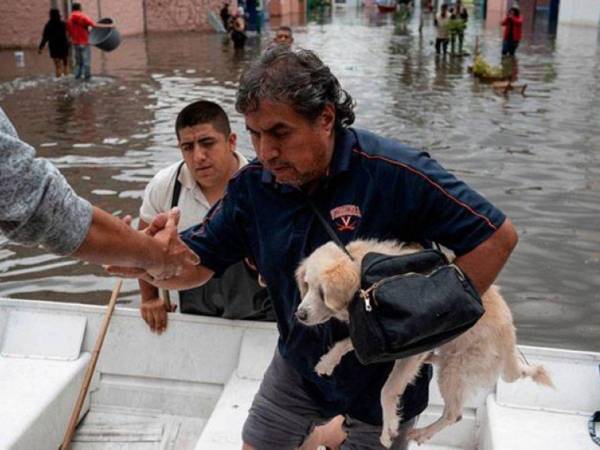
181	15
22	23
283	7
128	15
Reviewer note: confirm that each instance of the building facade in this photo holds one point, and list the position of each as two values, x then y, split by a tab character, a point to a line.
21	23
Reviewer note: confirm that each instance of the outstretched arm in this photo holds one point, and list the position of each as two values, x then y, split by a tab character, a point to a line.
38	207
109	241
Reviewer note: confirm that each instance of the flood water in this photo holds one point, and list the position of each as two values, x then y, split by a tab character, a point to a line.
537	157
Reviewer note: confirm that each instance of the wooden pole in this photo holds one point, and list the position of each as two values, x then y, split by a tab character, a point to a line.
90	368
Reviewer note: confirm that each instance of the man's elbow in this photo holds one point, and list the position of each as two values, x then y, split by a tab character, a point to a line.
507	237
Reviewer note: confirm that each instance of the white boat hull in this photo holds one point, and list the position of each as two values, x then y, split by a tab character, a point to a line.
191	387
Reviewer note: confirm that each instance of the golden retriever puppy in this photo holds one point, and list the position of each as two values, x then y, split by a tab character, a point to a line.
328	280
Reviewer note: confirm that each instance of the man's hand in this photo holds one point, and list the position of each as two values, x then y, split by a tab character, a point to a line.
183	271
154	312
177	255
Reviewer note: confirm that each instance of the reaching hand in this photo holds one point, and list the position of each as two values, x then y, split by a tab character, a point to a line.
175	254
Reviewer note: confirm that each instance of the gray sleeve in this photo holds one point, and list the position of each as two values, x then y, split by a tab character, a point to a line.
37	205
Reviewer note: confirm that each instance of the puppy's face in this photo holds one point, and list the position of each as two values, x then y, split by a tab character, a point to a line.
327	280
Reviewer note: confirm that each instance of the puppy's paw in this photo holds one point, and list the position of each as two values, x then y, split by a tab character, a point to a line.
385	439
389	432
325	366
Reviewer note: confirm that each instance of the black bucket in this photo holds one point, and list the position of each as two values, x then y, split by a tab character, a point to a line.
106	39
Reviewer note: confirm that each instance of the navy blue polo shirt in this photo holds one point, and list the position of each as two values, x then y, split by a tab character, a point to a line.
376	188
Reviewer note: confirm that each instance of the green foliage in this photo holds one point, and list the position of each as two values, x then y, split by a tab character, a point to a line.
483	69
402	14
457	26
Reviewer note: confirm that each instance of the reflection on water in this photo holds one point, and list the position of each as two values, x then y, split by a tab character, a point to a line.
537	156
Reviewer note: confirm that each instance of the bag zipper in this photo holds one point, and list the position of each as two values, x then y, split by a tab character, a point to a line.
365	294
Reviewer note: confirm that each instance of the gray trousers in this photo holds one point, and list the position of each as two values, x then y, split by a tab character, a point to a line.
282	415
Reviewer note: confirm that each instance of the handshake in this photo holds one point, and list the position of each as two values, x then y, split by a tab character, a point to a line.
165	255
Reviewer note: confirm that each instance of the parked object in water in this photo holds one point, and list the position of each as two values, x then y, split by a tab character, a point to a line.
106	39
486	72
197	398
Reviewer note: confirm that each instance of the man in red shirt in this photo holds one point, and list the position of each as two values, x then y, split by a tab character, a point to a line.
513	24
77	26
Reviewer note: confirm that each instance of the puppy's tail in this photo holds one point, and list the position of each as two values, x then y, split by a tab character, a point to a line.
516	367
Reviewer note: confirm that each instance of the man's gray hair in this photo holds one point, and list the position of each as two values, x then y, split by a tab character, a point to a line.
297	78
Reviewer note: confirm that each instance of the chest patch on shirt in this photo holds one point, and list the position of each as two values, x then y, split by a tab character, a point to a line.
346	217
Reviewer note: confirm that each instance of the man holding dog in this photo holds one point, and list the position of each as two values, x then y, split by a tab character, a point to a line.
299	119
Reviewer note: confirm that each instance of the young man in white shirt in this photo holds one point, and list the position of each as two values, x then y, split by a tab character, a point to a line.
194	185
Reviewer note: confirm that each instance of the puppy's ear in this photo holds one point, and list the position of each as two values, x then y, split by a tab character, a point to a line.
300	279
340	282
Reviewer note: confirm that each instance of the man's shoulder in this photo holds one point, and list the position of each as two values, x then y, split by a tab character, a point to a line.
164	177
249	171
78	16
386	159
158	191
376	148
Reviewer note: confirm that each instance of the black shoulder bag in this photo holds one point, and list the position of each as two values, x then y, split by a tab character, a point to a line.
407	304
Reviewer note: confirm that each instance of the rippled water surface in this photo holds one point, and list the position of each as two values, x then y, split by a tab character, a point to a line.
537	157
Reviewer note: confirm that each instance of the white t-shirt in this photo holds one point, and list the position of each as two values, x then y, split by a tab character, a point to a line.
442	26
192	201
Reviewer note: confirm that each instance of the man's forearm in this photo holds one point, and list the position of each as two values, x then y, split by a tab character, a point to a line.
484	262
111	241
191	277
147	291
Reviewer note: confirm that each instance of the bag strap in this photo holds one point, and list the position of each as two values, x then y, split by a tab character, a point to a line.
328	228
177	187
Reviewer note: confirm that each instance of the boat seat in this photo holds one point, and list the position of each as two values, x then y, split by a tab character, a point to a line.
41	372
518	428
223	430
37	399
524	415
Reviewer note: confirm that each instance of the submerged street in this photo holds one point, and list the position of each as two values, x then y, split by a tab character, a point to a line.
537	157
